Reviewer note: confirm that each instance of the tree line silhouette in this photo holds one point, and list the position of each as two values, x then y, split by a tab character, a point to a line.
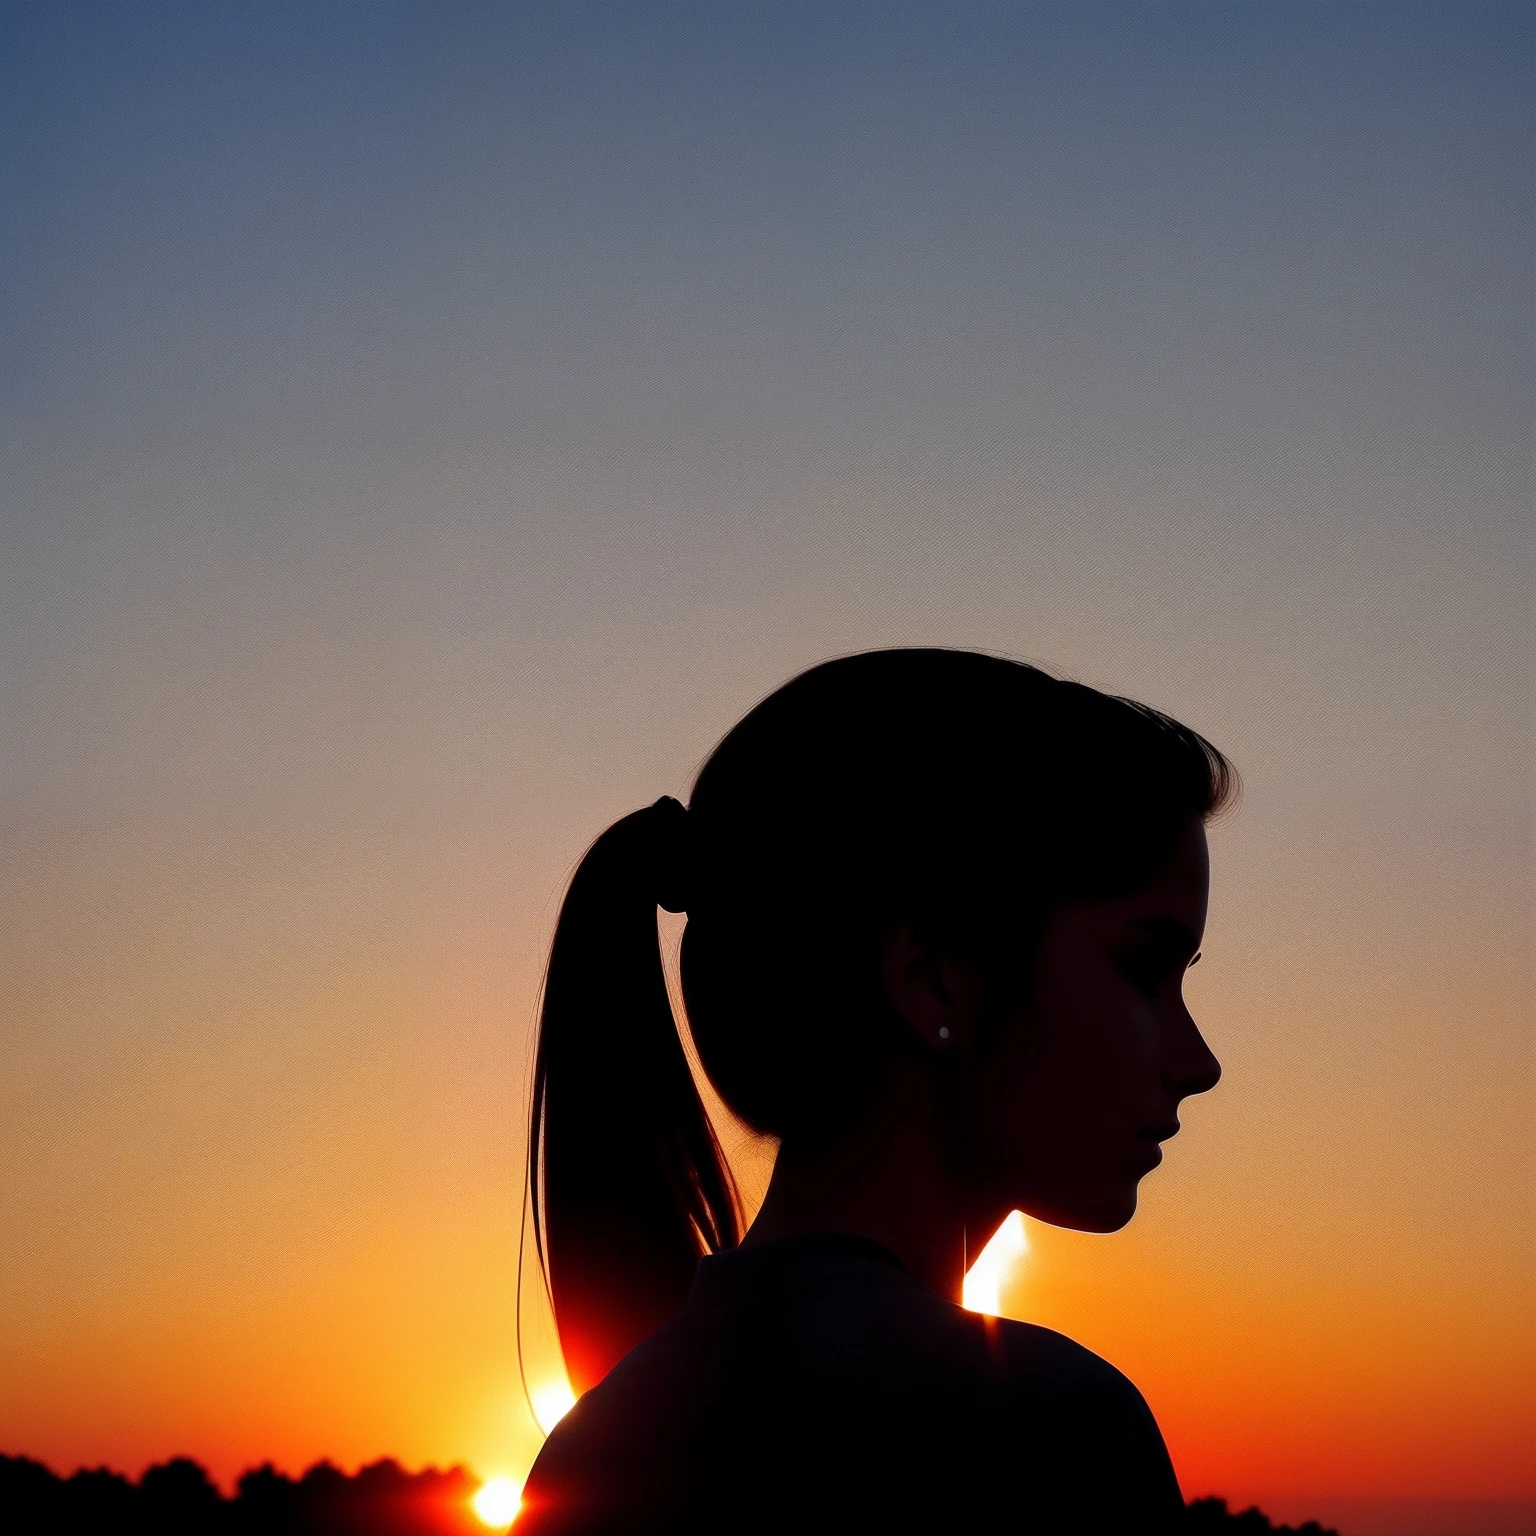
1211	1517
178	1498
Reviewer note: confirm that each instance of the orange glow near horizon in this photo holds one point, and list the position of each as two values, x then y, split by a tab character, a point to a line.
1321	1363
1304	1365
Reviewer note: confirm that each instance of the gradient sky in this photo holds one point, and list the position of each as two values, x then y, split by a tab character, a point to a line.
427	428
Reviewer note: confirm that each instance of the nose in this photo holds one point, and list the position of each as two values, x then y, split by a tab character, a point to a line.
1194	1067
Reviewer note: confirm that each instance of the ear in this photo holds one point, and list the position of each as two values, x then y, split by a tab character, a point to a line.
934	989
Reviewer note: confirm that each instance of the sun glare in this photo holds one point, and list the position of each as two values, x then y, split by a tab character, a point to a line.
552	1402
498	1502
985	1279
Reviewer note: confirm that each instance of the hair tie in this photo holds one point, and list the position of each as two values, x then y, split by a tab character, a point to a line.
672	853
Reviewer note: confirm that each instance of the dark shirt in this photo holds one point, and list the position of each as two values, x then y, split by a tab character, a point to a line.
814	1384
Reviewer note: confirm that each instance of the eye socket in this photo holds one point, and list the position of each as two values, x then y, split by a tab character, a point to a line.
1149	968
1146	970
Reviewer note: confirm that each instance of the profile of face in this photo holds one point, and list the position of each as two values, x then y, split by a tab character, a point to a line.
1073	1089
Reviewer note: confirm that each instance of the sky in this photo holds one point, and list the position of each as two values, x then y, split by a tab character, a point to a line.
428	428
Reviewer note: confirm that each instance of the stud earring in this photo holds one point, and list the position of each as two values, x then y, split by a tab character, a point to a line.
943	1032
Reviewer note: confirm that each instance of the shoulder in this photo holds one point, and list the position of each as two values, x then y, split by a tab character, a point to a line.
1039	1359
1004	1404
1088	1422
623	1458
1037	1383
853	1381
906	1332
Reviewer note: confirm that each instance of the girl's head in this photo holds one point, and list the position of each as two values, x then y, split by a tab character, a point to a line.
930	858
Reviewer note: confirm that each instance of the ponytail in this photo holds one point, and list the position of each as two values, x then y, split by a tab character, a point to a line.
627	1180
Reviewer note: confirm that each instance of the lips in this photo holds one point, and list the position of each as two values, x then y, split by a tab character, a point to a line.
1150	1139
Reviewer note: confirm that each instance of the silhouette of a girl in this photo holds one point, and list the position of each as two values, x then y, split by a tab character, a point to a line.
939	909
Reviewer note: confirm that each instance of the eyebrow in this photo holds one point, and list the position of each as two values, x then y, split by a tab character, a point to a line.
1171	931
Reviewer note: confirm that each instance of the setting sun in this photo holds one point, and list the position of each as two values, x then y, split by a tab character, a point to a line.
497	1502
985	1278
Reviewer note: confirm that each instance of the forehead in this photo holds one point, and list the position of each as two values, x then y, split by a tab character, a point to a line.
1179	891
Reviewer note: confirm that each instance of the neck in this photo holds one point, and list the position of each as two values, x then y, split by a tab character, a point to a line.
881	1177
